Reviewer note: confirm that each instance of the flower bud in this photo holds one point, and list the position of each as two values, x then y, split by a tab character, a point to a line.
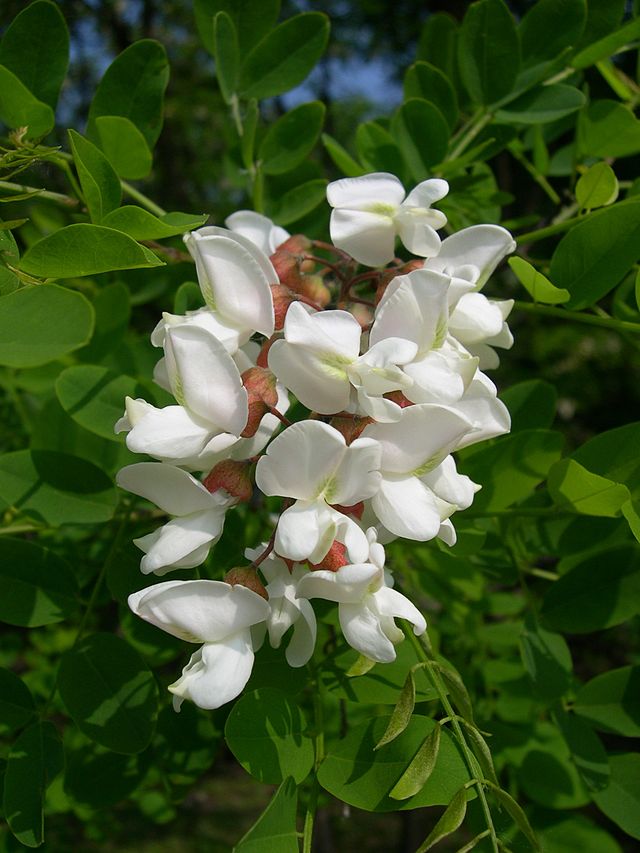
356	510
246	576
232	476
282	297
398	398
260	384
314	288
335	558
389	274
350	427
263	356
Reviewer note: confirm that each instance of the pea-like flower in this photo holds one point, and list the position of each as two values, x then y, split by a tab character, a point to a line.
369	211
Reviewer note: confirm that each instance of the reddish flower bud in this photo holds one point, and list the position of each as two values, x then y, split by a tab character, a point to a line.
287	265
355	510
246	576
350	427
398	398
335	557
297	244
314	288
282	297
232	476
260	384
263	356
389	274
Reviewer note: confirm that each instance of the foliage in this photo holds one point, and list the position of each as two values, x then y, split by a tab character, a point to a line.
517	712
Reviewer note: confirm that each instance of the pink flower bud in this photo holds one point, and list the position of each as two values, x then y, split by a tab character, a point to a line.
246	576
232	476
335	558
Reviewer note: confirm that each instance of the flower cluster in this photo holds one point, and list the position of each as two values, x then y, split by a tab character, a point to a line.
393	384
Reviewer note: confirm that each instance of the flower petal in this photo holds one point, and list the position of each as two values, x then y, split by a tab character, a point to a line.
407	508
319	382
305	531
362	630
178	540
417	230
349	585
392	603
257	228
199	611
169	488
366	191
369	237
302	643
426	193
482	246
170	434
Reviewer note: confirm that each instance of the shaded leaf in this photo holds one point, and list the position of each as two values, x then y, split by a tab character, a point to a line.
291	138
420	768
488	51
448	822
99	182
275	829
611	701
401	715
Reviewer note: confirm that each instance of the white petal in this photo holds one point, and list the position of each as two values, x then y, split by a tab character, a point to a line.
301	461
362	630
168	487
423	436
217	673
207	319
483	246
302	643
199	611
417	230
208	380
349	585
447	484
170	434
407	508
426	193
332	332
357	476
305	531
368	237
475	318
318	381
257	228
365	191
447	533
181	541
440	377
488	415
392	603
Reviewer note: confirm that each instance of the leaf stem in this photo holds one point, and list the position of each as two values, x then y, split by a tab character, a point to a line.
312	803
57	197
550	230
577	316
479	121
142	199
424	651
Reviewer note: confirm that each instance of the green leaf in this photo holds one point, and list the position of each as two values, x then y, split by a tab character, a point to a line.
56	488
419	769
291	138
542	105
142	225
94	396
16	702
247	142
275	829
285	56
227	55
34	760
502	471
482	752
608	45
19	108
611	701
549	27
613	454
488	51
608	129
598	187
587	751
252	20
96	777
537	285
124	146
457	691
604	590
450	821
572	486
341	157
35	47
40	324
297	202
100	184
110	693
112	308
437	43
423	135
358	775
595	255
517	814
377	149
547	659
603	16
560	832
39	587
426	81
266	732
620	801
84	249
531	404
188	298
401	715
133	86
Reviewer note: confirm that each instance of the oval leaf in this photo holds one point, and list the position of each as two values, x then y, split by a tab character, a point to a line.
84	249
611	701
449	822
488	51
275	829
19	108
620	801
40	324
537	286
99	182
421	767
142	225
16	702
124	146
291	138
598	187
110	693
542	105
422	134
424	80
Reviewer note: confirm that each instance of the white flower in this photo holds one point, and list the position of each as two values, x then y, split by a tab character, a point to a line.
213	613
369	211
262	232
286	609
420	486
203	317
417	309
488	415
367	605
311	462
318	361
212	410
235	278
199	515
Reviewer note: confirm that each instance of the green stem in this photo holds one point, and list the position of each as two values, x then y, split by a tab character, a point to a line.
57	197
423	649
20	528
514	513
550	230
537	176
479	121
577	316
235	112
312	804
142	199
